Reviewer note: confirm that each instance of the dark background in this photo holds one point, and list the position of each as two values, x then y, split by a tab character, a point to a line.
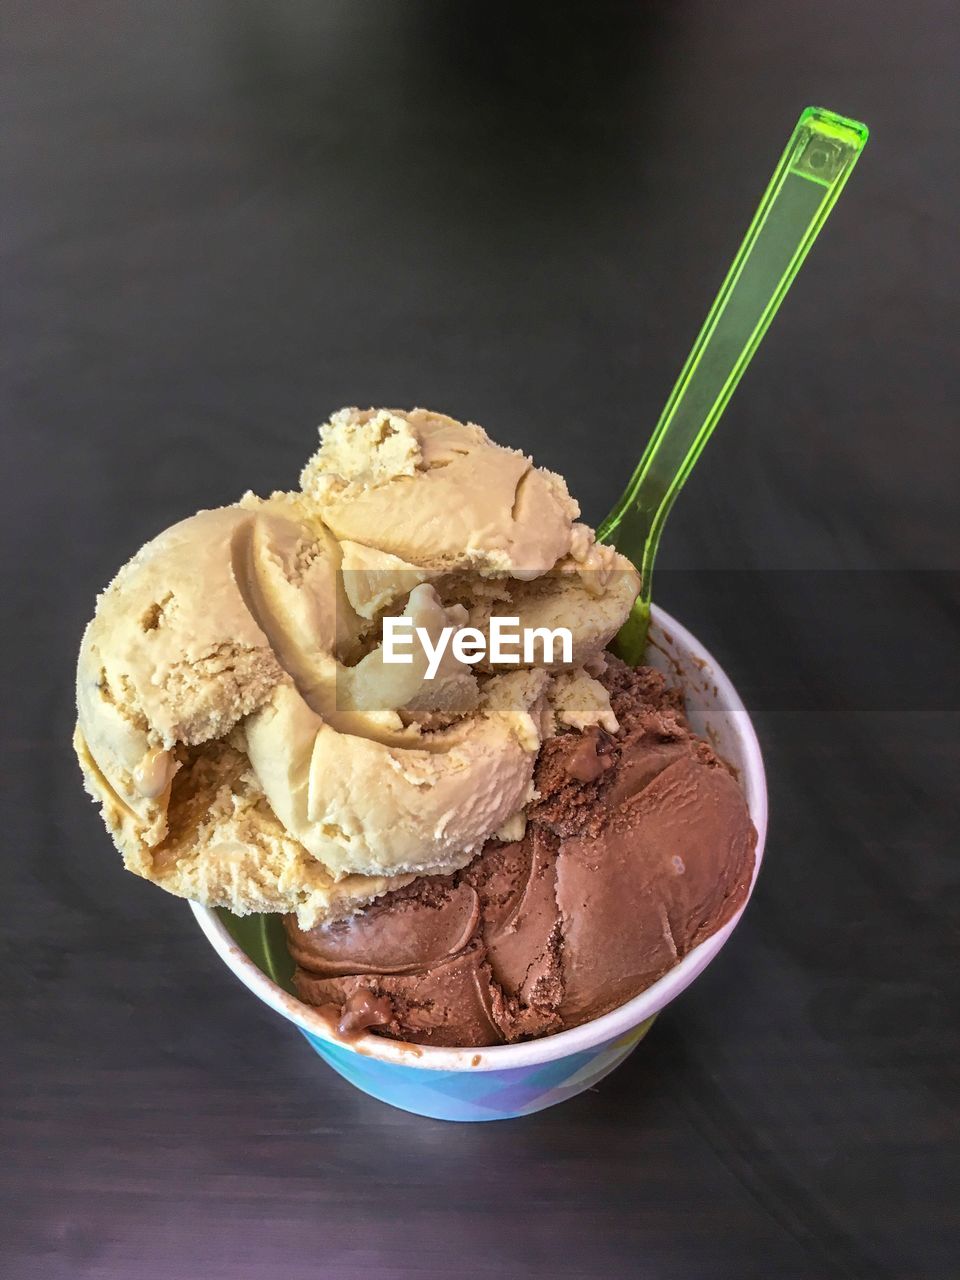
222	221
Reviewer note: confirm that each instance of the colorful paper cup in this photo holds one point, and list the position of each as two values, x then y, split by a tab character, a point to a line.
512	1080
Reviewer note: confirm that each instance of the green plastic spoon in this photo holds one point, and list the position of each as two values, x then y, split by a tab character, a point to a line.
816	164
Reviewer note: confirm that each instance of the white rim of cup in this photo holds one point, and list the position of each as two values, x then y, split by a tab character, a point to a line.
564	1043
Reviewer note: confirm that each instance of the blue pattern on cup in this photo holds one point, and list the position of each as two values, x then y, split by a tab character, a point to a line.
478	1095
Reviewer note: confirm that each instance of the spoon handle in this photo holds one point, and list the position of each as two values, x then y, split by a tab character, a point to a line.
811	174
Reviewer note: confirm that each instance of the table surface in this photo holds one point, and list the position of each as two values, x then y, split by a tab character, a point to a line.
225	221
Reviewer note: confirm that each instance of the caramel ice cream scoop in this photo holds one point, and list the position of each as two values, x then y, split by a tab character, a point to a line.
237	722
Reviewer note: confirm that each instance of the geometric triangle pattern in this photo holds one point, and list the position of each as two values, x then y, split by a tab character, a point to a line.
472	1095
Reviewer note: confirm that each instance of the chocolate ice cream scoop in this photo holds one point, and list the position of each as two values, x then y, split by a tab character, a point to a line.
639	847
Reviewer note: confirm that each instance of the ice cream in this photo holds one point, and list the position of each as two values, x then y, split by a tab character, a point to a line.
638	847
466	850
237	721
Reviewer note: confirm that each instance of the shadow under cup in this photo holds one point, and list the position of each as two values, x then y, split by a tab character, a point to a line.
512	1080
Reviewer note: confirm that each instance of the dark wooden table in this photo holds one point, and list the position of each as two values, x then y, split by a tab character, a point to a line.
222	221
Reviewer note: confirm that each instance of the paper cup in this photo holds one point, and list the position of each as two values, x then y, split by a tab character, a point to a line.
513	1080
